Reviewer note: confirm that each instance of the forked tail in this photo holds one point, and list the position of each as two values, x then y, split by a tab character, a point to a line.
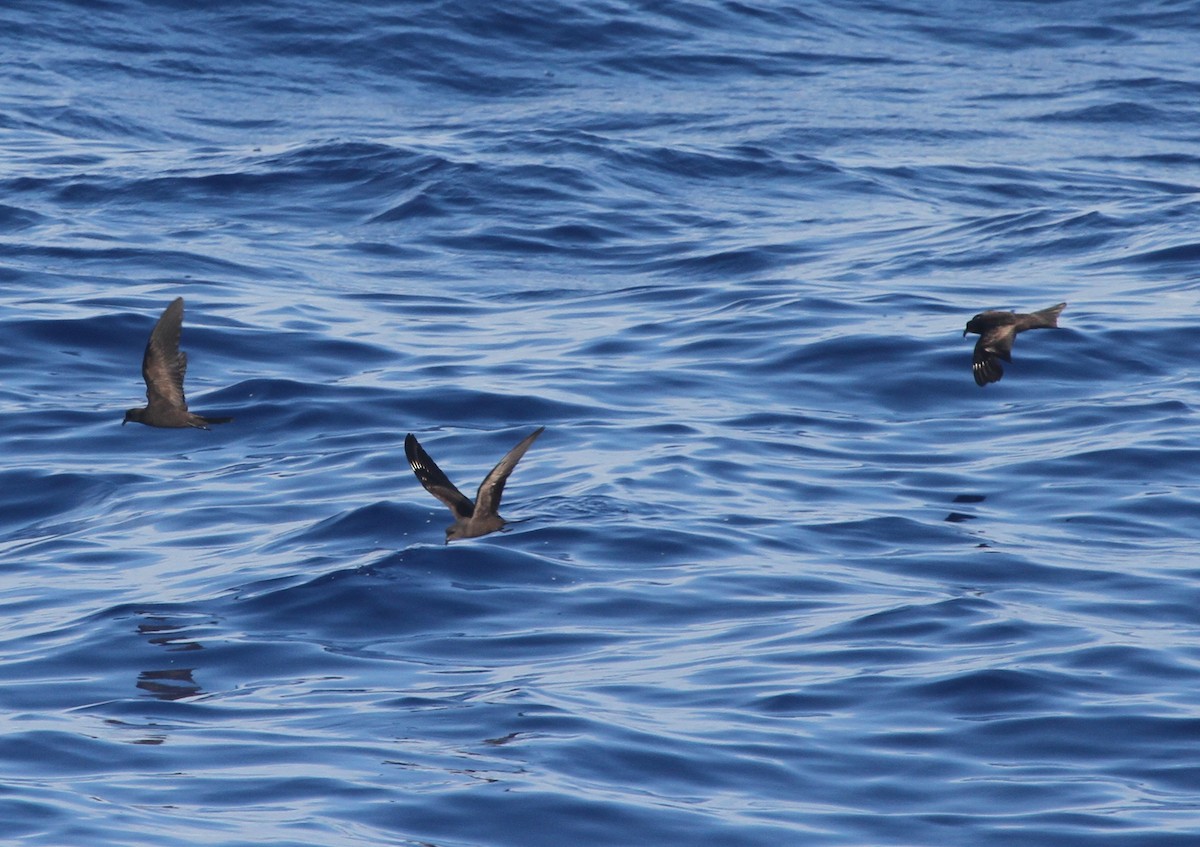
1048	318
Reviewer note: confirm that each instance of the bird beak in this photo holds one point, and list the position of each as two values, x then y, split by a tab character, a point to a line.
964	333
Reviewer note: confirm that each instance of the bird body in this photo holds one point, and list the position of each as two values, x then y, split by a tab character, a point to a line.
471	520
163	368
997	331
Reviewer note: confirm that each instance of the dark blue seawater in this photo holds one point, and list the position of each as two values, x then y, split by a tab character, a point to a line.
779	572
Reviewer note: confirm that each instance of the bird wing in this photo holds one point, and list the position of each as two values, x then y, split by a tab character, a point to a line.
998	341
434	480
164	364
994	344
487	501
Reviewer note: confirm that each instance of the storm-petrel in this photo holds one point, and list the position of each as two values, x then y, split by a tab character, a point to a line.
163	367
471	520
997	331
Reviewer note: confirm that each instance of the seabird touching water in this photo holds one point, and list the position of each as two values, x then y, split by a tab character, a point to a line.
997	331
471	520
163	367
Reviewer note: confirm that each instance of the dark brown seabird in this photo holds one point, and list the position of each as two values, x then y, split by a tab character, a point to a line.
163	368
471	520
997	331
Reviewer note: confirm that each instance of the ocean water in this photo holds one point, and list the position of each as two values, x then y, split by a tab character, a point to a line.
778	572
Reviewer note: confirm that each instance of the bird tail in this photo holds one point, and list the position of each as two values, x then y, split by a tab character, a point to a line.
1048	318
202	423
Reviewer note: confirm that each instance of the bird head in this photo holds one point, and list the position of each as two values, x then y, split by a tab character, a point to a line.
978	324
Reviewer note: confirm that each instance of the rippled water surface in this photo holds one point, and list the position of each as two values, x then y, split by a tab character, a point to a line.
778	572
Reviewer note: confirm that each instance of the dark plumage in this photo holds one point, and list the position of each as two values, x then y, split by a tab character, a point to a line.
163	368
471	520
997	331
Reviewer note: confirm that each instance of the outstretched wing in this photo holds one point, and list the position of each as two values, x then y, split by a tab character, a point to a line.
487	501
436	482
164	365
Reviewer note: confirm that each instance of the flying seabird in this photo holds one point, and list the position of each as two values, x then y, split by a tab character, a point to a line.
163	367
997	331
471	520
